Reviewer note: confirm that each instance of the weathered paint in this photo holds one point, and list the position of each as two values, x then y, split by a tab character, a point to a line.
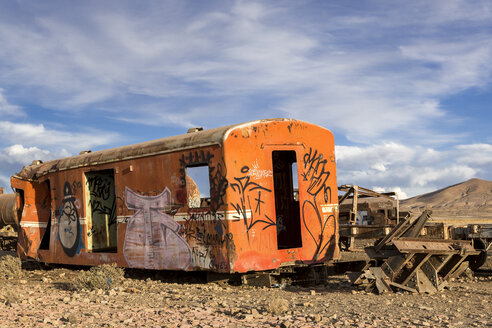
152	238
8	210
235	230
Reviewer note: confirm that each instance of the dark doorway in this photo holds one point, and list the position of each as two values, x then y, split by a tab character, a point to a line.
101	211
45	240
287	210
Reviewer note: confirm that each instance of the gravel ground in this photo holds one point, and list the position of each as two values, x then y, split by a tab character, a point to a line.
42	298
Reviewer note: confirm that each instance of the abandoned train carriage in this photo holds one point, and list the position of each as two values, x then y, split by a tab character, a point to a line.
268	199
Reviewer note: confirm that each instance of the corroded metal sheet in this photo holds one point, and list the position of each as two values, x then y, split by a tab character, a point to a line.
155	147
8	210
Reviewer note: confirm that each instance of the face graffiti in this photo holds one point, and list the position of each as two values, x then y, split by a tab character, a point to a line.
316	175
69	230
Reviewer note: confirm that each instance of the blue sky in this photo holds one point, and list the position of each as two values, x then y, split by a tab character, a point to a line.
405	86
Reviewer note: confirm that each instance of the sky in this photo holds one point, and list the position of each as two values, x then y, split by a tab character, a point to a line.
405	86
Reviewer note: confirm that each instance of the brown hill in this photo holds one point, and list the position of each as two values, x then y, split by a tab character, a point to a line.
471	199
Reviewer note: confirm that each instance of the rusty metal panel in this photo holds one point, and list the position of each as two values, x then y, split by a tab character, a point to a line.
252	195
8	210
413	264
150	148
35	214
420	245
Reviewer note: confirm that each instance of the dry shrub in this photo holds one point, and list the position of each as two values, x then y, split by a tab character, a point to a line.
10	298
277	306
10	267
104	276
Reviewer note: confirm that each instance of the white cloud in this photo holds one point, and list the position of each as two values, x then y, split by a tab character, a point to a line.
375	74
6	108
38	134
20	154
28	142
411	170
335	71
5	183
475	154
401	194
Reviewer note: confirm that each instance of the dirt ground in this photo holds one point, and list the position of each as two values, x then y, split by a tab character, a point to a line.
43	298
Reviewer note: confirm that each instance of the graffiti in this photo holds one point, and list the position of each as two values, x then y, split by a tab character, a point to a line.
258	203
101	205
102	199
216	171
100	186
76	186
250	191
316	174
218	182
193	158
201	257
207	234
198	226
152	239
69	230
280	224
256	173
218	186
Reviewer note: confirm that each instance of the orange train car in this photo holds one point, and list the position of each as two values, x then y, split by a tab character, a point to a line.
248	197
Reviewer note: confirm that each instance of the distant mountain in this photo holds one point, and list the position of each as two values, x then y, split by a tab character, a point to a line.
466	200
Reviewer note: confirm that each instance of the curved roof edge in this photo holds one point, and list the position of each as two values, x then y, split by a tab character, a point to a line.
215	136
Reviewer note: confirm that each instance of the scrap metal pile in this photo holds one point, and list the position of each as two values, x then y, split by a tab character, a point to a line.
403	261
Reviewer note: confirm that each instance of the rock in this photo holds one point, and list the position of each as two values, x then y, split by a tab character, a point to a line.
248	317
255	312
286	324
425	308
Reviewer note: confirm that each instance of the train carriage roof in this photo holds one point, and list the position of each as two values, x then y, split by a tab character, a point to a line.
203	138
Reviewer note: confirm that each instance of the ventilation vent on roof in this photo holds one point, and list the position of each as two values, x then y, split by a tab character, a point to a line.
37	162
192	130
85	152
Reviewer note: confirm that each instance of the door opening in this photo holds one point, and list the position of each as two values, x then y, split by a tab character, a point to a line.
45	240
287	209
101	211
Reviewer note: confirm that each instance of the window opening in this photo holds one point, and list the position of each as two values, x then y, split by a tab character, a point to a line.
198	186
295	182
287	209
101	211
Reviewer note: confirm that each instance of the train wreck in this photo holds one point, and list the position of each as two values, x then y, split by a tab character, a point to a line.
259	199
137	206
403	261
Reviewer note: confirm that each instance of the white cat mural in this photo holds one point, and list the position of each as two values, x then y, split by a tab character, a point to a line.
152	240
